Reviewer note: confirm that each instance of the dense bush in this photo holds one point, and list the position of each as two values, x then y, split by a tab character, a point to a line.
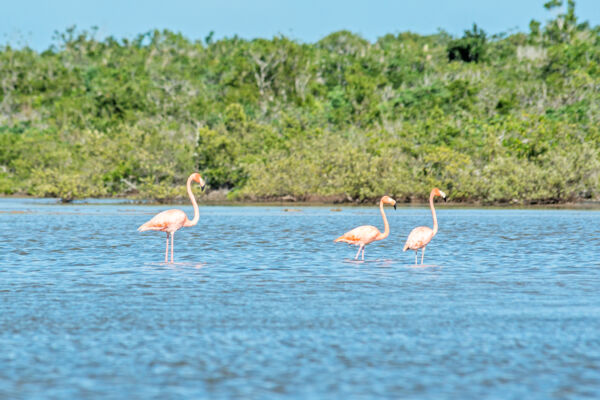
512	119
470	48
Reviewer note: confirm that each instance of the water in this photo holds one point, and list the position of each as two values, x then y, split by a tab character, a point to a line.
262	304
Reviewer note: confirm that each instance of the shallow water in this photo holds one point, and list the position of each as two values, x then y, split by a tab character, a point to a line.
262	304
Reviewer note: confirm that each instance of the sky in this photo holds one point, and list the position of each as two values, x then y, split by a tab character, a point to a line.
33	22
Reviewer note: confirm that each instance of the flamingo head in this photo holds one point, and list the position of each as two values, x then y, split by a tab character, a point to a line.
388	200
197	178
438	192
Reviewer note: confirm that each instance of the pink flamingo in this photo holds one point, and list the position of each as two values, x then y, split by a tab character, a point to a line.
171	221
422	235
363	235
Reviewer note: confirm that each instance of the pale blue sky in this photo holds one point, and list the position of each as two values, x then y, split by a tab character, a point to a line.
33	21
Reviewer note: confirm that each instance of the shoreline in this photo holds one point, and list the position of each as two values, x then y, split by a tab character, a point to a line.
582	205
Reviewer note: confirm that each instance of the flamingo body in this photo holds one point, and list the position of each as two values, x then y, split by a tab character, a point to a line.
418	238
167	221
362	235
170	221
365	234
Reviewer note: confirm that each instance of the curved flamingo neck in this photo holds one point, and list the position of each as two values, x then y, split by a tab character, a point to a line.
435	224
193	199
386	226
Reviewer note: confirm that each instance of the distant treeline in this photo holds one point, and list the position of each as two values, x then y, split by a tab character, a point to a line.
508	118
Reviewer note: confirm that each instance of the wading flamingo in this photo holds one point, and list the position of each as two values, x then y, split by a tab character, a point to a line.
363	235
422	235
171	221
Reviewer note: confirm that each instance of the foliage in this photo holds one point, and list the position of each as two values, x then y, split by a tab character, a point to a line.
470	48
515	121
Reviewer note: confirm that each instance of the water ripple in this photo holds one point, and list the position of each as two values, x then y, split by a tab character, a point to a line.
262	304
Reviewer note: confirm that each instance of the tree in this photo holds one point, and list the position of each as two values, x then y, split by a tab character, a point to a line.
470	48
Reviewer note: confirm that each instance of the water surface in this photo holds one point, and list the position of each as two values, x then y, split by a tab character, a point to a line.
262	304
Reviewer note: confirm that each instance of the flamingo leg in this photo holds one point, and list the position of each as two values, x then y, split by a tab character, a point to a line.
359	249
172	238
167	249
416	255
423	254
363	253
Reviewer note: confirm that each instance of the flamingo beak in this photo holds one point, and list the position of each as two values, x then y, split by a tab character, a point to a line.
394	206
202	186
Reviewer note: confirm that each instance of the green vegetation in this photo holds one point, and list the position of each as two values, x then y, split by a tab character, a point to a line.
494	119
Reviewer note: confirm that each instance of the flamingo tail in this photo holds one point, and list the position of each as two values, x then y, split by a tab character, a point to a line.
147	227
143	228
347	239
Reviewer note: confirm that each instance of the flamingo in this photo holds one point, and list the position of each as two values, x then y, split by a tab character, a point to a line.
422	235
170	221
363	235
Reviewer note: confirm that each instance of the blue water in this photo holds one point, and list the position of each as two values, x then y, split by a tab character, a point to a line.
262	304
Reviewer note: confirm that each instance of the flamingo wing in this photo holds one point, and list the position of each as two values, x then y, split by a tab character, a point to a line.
418	238
362	235
166	221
